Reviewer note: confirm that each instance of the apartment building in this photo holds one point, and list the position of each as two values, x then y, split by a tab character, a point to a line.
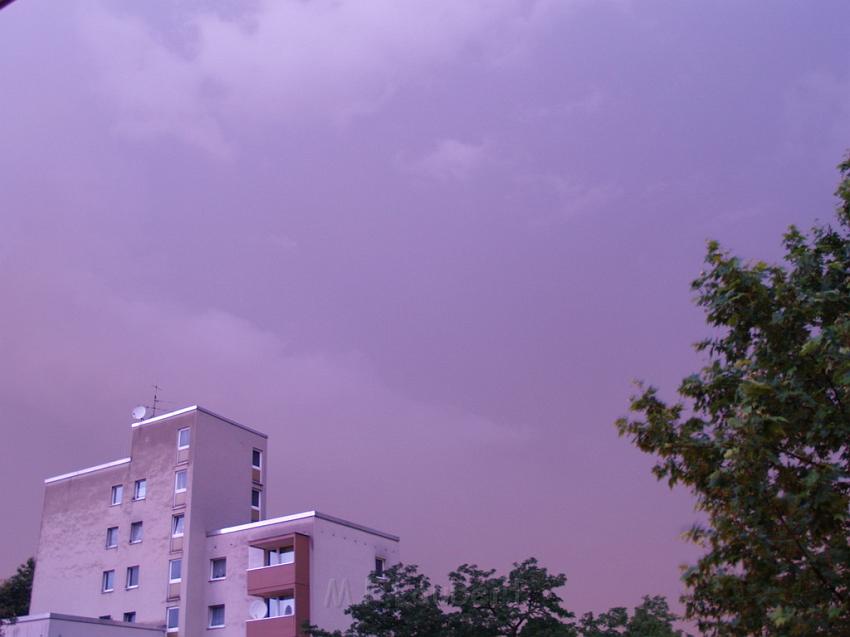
175	539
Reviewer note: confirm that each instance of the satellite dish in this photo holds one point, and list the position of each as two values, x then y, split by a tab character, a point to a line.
140	412
257	609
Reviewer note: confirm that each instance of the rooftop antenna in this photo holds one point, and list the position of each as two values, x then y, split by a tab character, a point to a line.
156	400
143	412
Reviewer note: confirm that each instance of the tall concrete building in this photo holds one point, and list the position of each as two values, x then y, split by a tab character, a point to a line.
175	539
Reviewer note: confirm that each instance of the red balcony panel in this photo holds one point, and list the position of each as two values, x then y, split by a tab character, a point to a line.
272	627
271	580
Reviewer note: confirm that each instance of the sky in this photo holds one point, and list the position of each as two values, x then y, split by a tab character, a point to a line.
425	245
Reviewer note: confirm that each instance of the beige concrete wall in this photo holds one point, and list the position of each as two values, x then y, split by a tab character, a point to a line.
155	455
343	557
71	551
220	496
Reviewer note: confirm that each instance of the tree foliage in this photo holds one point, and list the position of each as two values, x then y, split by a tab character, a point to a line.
15	592
479	603
651	619
522	604
761	435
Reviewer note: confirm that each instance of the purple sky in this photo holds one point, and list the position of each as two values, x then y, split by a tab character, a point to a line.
424	245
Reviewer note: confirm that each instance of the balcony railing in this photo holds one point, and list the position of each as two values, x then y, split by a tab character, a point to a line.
266	581
272	627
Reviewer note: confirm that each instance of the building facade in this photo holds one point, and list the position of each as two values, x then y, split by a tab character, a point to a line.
176	538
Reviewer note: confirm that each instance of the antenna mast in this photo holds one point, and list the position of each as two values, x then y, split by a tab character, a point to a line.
156	400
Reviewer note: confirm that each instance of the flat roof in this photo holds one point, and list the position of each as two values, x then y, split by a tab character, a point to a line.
302	516
186	410
81	472
80	619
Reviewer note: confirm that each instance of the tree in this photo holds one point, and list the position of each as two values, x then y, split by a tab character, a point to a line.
761	436
399	603
651	619
15	592
403	603
522	604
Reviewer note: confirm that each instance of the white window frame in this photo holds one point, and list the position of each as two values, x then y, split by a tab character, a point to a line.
383	562
210	616
169	627
258	508
110	574
171	578
184	473
143	483
188	431
133	569
260	466
174	519
270	561
137	525
278	602
117	490
108	530
213	578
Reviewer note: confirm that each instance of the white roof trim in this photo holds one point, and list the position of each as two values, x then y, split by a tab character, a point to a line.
76	618
74	474
302	516
186	410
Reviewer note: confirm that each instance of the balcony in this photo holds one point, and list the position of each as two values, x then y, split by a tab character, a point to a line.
280	580
271	580
272	627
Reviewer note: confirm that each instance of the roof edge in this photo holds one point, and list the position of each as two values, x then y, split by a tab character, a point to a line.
77	618
80	472
186	410
302	516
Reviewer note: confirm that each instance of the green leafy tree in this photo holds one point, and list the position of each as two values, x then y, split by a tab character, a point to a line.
761	436
399	603
403	603
524	603
15	593
651	619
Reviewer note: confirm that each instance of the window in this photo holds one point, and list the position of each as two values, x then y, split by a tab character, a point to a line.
284	555
281	606
132	577
104	617
112	537
108	582
177	525
218	568
217	616
380	562
135	532
255	499
257	459
117	494
180	481
140	489
172	619
175	568
130	617
183	438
